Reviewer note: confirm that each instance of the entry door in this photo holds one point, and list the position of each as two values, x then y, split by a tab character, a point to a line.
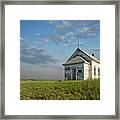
80	75
73	74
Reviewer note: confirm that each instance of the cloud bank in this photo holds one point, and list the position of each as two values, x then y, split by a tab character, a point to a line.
35	55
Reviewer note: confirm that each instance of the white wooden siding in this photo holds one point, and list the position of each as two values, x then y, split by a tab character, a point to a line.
86	71
96	65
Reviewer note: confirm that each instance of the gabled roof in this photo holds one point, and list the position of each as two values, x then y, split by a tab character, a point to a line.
80	56
76	60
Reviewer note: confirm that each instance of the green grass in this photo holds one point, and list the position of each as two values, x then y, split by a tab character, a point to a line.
60	90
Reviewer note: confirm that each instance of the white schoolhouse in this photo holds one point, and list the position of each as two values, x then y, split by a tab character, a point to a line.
81	66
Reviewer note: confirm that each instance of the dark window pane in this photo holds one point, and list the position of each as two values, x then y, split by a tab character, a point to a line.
79	71
94	70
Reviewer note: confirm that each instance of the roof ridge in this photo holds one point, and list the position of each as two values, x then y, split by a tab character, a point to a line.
77	53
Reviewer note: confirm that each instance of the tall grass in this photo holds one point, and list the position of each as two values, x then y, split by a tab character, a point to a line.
60	90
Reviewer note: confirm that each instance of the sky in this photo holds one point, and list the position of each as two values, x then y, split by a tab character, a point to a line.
46	44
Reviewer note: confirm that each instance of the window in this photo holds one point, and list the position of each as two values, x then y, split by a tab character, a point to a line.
79	71
98	71
94	70
67	68
67	76
80	67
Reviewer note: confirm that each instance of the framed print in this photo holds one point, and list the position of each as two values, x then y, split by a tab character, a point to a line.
60	59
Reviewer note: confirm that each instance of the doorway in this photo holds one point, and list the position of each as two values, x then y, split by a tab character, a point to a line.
80	74
73	74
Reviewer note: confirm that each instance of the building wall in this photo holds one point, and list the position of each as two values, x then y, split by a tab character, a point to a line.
86	71
95	65
89	71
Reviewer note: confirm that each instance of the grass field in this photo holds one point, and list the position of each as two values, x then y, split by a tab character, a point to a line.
60	90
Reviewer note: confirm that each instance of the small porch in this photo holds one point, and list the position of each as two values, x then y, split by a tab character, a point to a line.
74	73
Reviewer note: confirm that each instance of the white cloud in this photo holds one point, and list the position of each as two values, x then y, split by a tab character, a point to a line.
75	24
69	34
66	23
91	34
87	29
94	49
57	38
34	54
45	40
65	45
22	38
37	34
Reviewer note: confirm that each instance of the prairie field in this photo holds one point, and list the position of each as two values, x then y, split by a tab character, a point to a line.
60	89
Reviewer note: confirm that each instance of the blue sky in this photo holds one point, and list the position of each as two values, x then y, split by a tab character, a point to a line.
46	44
